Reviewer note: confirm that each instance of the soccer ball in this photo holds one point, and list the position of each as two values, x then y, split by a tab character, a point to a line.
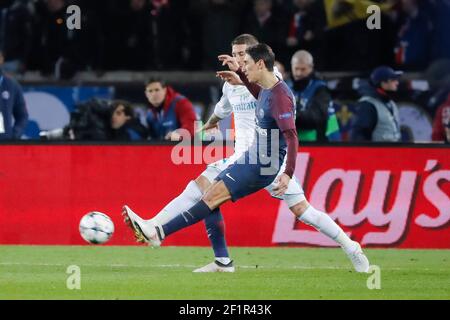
96	228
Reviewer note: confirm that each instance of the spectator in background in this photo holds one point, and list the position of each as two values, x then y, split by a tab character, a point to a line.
447	133
441	120
168	112
16	29
61	52
377	117
282	70
134	33
220	26
441	22
307	26
412	50
349	45
314	103
125	126
266	25
13	111
168	33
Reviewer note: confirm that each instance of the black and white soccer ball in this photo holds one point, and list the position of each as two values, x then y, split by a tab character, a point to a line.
96	228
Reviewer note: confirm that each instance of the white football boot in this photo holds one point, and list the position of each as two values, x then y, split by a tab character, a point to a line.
358	259
216	266
144	231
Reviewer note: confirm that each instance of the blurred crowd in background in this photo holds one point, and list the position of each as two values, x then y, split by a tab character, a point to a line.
188	34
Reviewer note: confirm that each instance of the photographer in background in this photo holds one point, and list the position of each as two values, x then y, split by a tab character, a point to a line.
125	126
100	120
13	111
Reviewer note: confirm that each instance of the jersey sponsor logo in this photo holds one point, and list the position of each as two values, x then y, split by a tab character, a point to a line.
250	106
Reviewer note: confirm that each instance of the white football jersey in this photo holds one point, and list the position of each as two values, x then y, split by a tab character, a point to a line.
238	100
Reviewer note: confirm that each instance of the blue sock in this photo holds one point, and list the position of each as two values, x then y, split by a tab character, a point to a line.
215	227
197	213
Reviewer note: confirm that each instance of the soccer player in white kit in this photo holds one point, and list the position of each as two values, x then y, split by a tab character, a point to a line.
238	100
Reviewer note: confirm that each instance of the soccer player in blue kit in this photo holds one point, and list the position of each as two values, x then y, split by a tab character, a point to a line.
275	140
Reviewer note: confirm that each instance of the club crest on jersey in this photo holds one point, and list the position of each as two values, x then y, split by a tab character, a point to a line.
6	95
261	113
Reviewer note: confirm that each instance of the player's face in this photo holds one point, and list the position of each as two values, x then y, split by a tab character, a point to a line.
390	85
251	69
156	94
301	70
119	118
239	53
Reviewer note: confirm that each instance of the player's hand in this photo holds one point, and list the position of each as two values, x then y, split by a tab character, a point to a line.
230	77
283	183
229	61
173	136
209	127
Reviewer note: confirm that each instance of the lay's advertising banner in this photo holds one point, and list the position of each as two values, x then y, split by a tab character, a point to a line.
396	197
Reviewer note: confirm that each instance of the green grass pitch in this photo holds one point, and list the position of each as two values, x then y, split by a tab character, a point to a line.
28	272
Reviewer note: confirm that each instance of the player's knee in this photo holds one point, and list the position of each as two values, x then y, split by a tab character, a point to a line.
203	184
300	208
216	195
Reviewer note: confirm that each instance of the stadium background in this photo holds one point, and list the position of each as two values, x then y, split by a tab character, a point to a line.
56	184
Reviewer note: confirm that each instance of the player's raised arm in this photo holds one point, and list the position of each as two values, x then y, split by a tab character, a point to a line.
236	70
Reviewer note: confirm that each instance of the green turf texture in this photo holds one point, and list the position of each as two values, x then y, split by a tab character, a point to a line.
123	273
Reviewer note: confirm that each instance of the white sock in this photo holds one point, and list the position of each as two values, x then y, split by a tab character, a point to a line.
186	200
324	224
224	261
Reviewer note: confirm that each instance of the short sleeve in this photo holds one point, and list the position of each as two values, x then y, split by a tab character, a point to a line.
223	108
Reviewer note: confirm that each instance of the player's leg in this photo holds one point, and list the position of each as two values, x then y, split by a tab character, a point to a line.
321	221
213	199
191	195
324	224
234	183
215	226
214	223
154	234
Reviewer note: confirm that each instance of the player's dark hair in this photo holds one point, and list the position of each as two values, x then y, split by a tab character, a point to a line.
128	109
262	52
156	80
246	39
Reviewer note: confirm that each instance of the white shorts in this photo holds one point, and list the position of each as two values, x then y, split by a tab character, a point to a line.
293	196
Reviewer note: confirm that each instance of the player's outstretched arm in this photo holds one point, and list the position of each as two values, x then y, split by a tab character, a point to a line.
211	124
229	76
229	61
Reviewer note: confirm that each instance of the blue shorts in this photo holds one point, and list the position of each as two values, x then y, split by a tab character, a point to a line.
243	180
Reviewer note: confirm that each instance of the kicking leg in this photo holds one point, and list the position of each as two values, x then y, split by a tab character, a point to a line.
154	234
190	196
214	197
